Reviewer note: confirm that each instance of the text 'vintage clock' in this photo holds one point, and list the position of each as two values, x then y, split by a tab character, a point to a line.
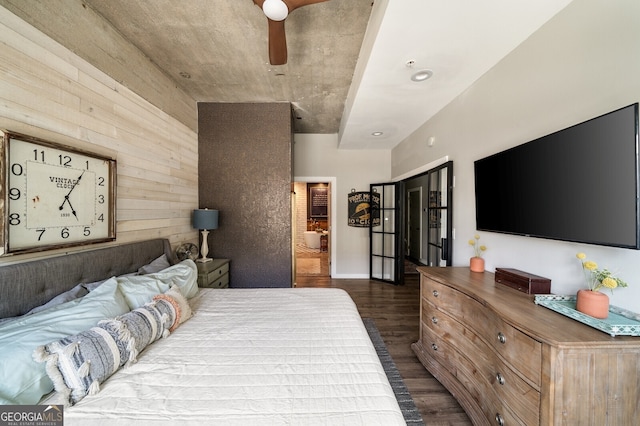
55	196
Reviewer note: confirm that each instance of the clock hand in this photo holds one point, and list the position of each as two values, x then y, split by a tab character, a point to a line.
76	184
73	211
66	197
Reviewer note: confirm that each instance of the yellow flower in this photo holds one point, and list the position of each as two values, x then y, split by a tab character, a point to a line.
477	248
598	278
590	265
610	283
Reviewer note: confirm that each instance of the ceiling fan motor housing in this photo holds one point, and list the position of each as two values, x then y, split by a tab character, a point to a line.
276	10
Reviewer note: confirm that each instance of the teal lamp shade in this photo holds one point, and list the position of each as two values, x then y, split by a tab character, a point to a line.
205	219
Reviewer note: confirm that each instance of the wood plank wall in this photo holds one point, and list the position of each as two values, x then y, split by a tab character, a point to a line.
79	28
48	92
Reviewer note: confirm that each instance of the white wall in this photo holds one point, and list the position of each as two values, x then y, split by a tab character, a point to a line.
319	156
583	63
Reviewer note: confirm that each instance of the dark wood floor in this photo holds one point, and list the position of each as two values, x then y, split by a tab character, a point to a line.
396	311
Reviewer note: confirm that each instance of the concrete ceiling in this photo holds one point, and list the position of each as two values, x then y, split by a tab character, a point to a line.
347	69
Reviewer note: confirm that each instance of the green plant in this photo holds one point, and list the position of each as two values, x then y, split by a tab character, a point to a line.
598	278
477	248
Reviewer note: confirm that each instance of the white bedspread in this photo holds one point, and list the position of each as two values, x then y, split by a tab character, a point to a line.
253	356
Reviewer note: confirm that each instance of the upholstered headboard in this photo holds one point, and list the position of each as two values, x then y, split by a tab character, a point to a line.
24	286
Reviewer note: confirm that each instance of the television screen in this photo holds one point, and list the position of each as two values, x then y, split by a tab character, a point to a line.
579	184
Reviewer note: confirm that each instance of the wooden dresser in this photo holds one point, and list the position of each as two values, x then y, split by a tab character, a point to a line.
509	361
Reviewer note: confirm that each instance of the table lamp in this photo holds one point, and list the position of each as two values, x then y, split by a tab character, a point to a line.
205	220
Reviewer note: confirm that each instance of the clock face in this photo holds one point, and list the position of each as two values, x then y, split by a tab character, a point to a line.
56	196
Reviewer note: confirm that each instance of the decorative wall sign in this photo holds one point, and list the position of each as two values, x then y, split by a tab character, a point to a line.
363	209
318	201
54	196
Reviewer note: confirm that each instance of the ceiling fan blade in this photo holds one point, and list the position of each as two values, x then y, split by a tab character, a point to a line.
277	36
277	43
294	4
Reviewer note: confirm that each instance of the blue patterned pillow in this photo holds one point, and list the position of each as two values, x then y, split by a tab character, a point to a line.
78	364
143	326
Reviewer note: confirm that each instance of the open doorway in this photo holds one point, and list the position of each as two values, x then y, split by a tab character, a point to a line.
312	225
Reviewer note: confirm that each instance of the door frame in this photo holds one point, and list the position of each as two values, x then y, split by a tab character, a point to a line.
446	243
421	171
333	239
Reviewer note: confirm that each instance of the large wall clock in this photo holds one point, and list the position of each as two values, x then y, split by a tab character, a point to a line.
54	196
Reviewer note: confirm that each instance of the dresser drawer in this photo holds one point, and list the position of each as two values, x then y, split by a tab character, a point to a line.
514	396
519	350
214	274
443	331
220	282
479	367
522	352
472	378
217	273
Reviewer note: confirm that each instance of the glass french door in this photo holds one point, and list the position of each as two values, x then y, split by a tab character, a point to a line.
386	231
440	216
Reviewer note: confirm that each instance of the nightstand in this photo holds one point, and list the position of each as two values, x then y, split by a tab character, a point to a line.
213	274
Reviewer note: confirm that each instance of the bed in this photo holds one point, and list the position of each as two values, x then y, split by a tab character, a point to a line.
241	356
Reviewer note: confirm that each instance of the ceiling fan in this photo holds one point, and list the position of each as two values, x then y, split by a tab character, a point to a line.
276	12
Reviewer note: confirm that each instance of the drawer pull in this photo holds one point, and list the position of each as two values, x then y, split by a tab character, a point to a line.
434	320
499	419
502	338
500	378
435	293
434	346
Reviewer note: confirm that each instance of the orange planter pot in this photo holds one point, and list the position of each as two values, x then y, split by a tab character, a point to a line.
592	303
476	264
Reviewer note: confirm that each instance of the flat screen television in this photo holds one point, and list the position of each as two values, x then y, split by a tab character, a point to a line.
579	184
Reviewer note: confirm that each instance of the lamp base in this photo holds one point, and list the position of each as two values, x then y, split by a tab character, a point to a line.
204	251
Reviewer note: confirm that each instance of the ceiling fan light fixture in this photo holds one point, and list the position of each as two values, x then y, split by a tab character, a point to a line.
276	10
422	75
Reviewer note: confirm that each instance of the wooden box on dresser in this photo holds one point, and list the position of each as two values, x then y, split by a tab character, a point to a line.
509	361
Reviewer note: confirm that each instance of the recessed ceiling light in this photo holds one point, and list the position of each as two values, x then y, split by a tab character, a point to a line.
422	75
377	134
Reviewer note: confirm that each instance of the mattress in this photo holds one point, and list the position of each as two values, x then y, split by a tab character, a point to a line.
253	356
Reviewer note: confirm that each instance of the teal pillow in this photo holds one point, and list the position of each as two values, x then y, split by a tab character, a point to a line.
23	380
140	289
